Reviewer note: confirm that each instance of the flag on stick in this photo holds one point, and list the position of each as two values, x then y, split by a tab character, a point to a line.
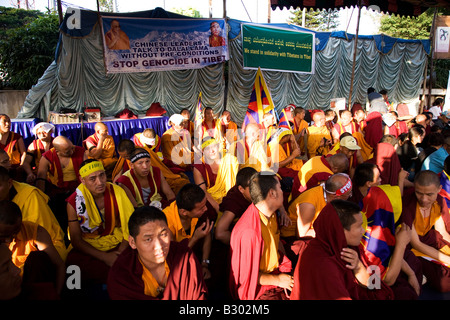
260	102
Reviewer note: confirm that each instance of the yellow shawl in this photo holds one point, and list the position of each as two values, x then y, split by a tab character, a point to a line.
226	177
33	204
91	218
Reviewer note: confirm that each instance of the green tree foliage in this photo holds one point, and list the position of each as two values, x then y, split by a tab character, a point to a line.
189	12
27	51
11	18
106	5
417	28
316	20
408	27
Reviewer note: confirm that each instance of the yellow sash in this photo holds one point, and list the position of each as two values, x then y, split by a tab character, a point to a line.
226	177
155	197
93	219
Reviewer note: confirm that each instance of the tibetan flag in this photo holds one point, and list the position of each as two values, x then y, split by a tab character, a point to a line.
260	102
283	121
382	207
445	183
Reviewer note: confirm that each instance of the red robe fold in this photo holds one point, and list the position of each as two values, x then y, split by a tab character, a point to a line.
55	166
156	175
373	132
320	273
388	162
246	247
185	281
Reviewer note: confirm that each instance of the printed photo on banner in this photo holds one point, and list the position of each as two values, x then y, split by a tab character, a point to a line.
144	45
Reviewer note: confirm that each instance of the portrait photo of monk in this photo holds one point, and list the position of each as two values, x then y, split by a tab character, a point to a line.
117	39
215	39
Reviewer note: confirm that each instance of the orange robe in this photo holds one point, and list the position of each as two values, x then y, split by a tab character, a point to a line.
24	243
313	196
108	156
229	132
296	129
176	150
315	136
174	223
12	148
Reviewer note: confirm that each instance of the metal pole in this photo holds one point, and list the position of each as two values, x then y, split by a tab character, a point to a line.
355	47
432	37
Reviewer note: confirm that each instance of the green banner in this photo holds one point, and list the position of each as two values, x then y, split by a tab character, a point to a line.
277	49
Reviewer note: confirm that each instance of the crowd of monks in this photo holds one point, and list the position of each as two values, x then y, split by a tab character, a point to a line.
349	204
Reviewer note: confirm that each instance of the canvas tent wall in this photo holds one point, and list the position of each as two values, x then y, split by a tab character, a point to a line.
77	77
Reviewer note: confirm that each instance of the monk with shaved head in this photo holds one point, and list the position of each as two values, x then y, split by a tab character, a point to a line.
58	174
425	211
100	146
319	137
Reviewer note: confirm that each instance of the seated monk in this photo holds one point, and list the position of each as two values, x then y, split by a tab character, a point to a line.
33	204
154	267
60	166
98	213
42	269
100	146
345	124
348	145
269	125
13	144
319	169
300	129
186	219
58	174
396	128
284	152
328	268
145	184
148	139
43	131
188	124
177	146
250	150
215	174
319	138
124	149
209	126
305	209
385	244
228	129
425	211
234	204
259	270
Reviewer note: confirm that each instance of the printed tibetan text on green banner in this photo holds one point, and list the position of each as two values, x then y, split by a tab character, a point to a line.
277	49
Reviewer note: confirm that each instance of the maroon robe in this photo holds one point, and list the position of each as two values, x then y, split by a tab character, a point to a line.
388	162
246	247
438	276
185	281
320	273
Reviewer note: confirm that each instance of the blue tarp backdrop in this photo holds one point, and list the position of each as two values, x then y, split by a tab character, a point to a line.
78	78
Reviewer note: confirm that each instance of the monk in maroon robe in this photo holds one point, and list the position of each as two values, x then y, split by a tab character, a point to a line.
324	270
135	275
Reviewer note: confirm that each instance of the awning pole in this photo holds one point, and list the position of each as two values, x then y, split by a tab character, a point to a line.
355	47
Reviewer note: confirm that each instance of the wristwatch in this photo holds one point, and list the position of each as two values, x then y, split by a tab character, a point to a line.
206	261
